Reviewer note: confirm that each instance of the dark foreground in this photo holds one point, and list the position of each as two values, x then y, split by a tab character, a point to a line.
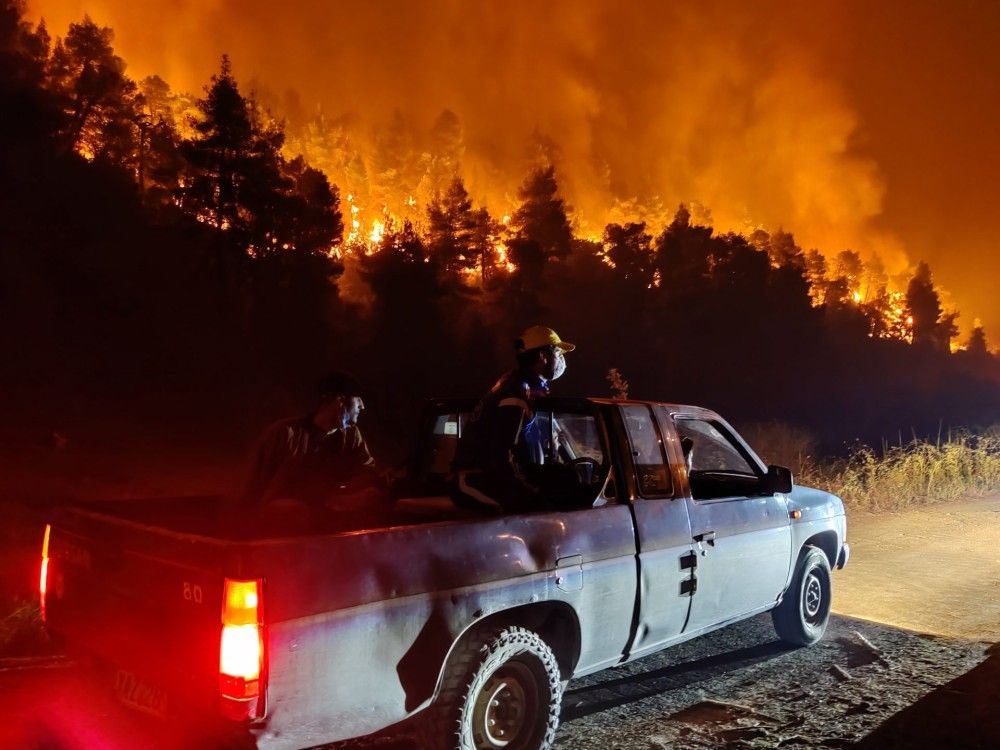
865	685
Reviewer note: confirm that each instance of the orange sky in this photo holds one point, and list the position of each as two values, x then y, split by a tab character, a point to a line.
873	126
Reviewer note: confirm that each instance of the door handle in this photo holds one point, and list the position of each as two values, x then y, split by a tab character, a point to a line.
708	536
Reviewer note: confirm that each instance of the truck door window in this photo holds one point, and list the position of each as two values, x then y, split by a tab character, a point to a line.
718	466
652	470
573	464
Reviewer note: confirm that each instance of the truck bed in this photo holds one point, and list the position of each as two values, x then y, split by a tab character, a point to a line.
140	586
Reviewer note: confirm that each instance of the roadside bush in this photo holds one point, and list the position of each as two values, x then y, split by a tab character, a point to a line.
921	472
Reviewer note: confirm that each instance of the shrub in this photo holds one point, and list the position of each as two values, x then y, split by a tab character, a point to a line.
965	465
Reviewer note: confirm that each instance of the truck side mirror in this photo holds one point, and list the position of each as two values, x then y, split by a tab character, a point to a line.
777	479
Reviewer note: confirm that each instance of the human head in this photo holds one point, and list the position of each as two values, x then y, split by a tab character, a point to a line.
540	350
340	400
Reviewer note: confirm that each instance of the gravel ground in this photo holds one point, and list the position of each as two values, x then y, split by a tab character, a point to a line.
740	688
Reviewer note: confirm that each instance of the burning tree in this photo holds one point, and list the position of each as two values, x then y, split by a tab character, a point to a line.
237	181
931	325
542	218
101	103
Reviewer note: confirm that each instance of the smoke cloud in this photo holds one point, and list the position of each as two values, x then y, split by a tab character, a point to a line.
738	108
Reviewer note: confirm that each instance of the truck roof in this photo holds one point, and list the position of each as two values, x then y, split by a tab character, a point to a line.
671	407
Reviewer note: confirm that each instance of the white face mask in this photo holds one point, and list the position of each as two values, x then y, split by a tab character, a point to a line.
558	366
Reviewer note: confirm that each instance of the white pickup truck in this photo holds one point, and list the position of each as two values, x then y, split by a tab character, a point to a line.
465	625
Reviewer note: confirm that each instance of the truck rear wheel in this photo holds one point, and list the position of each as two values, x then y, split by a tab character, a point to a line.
804	612
502	689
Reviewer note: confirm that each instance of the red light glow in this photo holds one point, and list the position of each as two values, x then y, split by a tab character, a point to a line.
241	653
43	581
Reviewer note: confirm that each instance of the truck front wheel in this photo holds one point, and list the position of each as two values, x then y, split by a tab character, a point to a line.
804	612
502	689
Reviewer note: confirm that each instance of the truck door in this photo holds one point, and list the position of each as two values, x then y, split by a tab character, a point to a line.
742	537
664	532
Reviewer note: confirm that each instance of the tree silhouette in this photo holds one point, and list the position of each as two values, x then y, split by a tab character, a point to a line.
311	221
784	253
682	255
31	112
219	155
629	248
451	226
159	159
976	345
541	219
234	179
931	326
99	100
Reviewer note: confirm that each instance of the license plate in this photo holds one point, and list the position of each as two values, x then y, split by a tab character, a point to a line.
139	694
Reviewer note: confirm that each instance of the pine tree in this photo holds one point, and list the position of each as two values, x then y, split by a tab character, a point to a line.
311	221
931	325
683	254
234	180
542	216
159	158
100	102
452	223
30	112
629	248
976	345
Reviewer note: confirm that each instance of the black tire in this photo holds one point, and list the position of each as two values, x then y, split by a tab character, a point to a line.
502	689
804	612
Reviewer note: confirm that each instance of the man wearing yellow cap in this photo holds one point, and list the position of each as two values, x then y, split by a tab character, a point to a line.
502	439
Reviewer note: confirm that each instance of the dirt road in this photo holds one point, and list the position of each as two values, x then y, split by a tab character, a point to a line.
932	570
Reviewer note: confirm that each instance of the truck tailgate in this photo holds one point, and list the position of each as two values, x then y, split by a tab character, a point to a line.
146	601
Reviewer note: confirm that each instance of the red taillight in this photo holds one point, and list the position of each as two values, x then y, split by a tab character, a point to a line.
241	653
43	580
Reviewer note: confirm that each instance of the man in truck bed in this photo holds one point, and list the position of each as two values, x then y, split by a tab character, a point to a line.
502	441
320	459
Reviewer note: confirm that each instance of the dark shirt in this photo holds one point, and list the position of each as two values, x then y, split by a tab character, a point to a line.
502	437
294	458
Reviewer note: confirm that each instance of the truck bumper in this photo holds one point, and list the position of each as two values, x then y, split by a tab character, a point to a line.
844	556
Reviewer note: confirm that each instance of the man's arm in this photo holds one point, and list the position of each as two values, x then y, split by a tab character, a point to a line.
363	455
508	426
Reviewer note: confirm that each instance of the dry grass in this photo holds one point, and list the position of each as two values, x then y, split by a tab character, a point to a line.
922	472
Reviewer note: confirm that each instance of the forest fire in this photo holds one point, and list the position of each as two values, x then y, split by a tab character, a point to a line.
354	169
271	215
423	98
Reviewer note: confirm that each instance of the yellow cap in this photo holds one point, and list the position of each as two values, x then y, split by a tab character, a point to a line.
537	336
